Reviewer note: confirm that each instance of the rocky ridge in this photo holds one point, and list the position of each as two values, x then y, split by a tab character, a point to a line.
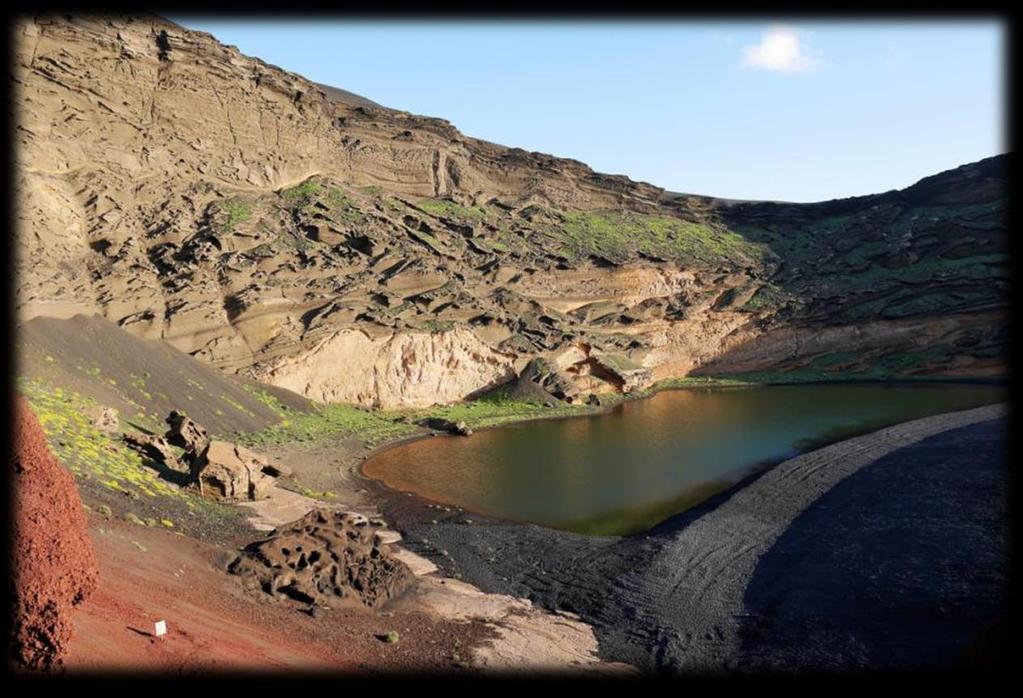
355	253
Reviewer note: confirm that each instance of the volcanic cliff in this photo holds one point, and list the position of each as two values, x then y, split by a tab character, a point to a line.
315	240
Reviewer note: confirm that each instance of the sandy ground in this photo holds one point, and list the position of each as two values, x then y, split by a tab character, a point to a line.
148	575
712	589
691	594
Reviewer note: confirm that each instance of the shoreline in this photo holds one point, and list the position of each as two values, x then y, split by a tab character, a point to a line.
667	385
617	584
755	470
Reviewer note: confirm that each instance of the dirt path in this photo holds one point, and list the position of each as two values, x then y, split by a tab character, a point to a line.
677	599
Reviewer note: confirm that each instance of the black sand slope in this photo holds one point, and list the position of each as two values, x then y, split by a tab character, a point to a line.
144	377
847	557
905	580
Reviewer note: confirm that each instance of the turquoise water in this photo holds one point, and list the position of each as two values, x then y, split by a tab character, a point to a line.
628	469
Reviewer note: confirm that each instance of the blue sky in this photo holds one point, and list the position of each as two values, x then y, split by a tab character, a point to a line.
795	111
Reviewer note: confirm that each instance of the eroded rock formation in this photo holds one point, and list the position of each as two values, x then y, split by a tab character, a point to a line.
227	471
186	433
324	558
355	253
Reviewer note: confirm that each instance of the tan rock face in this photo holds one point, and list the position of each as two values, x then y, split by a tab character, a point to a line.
230	472
404	369
350	252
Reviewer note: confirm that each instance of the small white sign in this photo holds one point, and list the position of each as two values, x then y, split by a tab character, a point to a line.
161	628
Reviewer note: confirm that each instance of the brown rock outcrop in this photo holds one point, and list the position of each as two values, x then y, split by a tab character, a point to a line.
186	433
53	563
323	558
157	449
541	381
105	419
625	374
230	472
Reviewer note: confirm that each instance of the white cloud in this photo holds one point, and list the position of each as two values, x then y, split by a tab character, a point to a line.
779	50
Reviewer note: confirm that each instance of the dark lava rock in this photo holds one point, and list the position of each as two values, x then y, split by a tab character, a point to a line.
460	428
541	382
322	557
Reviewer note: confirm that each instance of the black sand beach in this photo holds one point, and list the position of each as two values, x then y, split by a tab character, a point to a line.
886	550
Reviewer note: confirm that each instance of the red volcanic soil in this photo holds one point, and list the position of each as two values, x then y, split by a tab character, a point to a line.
149	574
52	564
213	624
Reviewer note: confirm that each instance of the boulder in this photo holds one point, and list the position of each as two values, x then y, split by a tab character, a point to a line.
157	449
542	382
186	433
226	471
324	557
441	424
104	419
621	371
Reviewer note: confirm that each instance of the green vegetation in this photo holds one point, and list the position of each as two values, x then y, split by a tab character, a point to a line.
503	243
132	518
139	383
267	399
301	195
328	421
767	296
316	495
346	209
446	208
374	427
87	452
491	410
619	363
236	211
236	405
436	325
703	382
618	236
428	240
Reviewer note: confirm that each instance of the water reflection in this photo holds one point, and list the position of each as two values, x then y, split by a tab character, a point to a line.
629	469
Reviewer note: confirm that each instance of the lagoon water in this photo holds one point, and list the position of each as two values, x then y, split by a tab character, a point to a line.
626	470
